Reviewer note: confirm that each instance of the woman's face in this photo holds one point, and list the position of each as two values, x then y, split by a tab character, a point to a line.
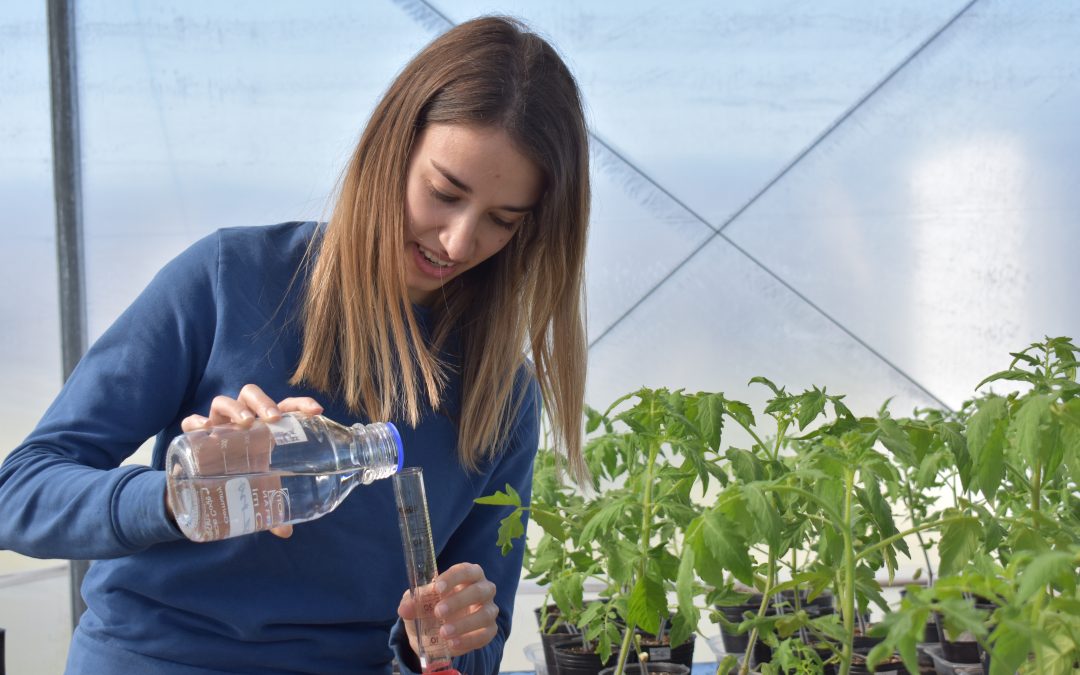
467	191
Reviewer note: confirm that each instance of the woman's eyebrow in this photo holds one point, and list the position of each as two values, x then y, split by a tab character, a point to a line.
468	190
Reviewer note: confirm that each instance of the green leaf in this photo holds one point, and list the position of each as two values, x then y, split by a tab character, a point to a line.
568	591
1010	649
601	522
722	539
741	412
510	528
840	410
647	603
1052	568
767	382
683	626
766	519
986	443
1069	414
1015	375
959	542
811	404
549	522
710	419
1030	421
685	582
500	498
592	419
746	466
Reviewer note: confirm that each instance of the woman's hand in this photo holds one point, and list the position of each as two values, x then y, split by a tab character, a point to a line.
466	608
252	403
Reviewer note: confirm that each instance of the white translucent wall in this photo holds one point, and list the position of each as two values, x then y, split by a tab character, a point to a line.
878	198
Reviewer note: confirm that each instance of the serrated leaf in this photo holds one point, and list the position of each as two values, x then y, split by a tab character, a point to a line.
1030	420
685	582
766	520
811	404
959	542
500	498
741	412
840	410
758	379
568	591
603	520
747	467
646	604
510	528
1014	375
1047	569
592	419
986	444
710	419
1070	437
727	546
683	626
549	522
1010	649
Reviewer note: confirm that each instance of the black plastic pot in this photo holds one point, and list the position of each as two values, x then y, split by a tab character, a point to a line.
551	640
650	669
943	666
862	644
956	651
892	667
735	643
573	659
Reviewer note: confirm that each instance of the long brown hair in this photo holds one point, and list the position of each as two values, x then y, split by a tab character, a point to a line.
360	339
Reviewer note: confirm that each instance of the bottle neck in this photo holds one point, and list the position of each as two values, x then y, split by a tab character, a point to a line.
375	450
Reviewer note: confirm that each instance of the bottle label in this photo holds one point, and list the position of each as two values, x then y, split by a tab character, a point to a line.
241	509
256	504
287	430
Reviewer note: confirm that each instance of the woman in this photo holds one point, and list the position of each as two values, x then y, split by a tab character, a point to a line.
456	243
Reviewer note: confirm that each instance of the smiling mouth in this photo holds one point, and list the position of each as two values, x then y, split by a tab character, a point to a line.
431	258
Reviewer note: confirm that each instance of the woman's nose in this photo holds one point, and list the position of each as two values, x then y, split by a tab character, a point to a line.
458	236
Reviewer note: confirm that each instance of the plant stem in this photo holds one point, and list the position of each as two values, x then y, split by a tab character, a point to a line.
918	535
765	597
646	535
847	607
900	535
1036	486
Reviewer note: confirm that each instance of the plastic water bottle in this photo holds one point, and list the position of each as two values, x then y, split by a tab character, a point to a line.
226	481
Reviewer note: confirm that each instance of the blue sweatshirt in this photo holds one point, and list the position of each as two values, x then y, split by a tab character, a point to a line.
223	314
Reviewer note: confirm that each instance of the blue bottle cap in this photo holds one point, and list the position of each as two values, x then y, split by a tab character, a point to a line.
400	446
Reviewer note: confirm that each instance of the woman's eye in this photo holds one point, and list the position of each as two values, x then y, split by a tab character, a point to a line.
502	223
443	197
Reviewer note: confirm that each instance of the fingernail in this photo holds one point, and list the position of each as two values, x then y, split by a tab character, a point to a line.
246	415
440	586
454	643
441	609
272	411
448	630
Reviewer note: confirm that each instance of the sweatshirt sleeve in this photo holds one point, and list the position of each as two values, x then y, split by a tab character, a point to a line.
475	541
63	493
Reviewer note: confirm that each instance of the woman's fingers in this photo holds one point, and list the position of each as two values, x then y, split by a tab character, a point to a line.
303	404
194	423
257	402
252	403
466	608
283	531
